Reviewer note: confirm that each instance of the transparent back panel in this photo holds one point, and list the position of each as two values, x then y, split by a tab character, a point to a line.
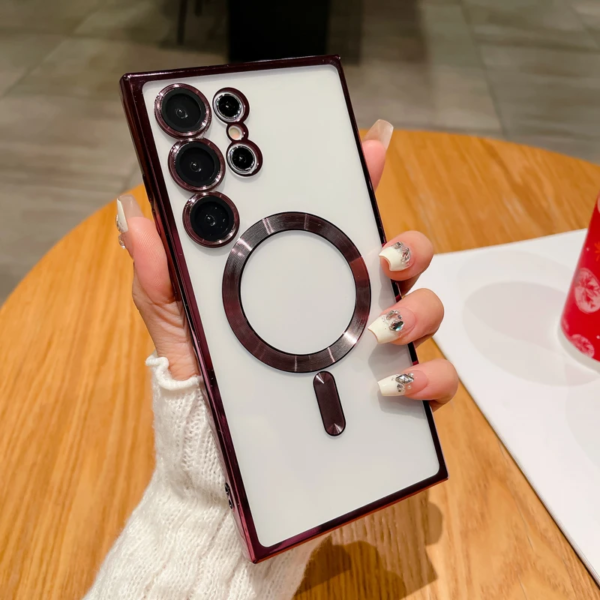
298	294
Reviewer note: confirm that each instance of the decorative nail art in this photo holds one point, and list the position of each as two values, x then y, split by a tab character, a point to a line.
387	327
404	381
398	256
404	251
396	385
394	321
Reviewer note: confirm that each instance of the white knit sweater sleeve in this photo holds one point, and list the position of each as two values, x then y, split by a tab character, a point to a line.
181	540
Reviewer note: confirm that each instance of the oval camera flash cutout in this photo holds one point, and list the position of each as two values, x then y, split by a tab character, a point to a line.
235	133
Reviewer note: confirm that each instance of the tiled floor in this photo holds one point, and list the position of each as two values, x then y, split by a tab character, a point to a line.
524	70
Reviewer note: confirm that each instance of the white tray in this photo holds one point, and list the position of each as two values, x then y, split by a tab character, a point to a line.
503	306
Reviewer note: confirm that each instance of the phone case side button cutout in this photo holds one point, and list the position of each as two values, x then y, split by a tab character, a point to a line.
329	403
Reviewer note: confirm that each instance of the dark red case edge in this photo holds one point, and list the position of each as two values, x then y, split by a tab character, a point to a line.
131	92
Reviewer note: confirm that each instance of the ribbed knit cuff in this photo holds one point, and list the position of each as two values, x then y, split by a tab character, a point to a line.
181	541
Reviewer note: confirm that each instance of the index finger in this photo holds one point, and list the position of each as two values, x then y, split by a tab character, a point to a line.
374	152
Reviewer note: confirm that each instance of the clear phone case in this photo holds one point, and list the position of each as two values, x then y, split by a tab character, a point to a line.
278	306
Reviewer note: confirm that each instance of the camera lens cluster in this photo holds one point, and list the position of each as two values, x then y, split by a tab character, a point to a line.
197	165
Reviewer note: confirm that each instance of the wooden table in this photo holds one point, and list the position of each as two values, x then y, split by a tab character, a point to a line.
76	441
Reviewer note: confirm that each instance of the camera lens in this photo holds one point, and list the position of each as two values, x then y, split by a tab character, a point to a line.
229	107
211	220
197	165
184	110
243	159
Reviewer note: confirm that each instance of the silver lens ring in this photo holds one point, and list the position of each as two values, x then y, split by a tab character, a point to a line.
241	113
256	162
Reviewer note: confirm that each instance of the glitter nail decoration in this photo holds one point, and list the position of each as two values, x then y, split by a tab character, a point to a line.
394	321
397	255
404	381
404	252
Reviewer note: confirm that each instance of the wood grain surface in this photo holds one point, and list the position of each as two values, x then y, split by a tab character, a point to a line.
76	441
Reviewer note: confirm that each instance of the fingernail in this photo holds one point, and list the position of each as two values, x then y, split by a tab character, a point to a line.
403	384
392	325
127	207
398	256
382	131
130	206
121	218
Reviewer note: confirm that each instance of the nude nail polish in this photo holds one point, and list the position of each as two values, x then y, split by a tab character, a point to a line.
381	131
130	206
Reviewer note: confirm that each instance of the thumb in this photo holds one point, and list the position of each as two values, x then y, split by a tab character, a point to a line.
140	238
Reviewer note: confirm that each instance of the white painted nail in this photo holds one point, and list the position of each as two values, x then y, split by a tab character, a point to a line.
387	328
382	131
121	218
396	385
397	255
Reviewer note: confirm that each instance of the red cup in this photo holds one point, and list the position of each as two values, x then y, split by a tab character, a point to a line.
581	317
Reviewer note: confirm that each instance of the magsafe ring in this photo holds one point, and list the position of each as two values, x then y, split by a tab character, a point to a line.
232	278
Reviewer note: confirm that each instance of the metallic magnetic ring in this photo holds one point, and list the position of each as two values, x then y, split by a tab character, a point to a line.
232	278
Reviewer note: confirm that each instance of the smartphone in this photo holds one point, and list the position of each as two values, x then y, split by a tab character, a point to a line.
262	198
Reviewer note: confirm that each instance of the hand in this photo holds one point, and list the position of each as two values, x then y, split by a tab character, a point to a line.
152	290
421	311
